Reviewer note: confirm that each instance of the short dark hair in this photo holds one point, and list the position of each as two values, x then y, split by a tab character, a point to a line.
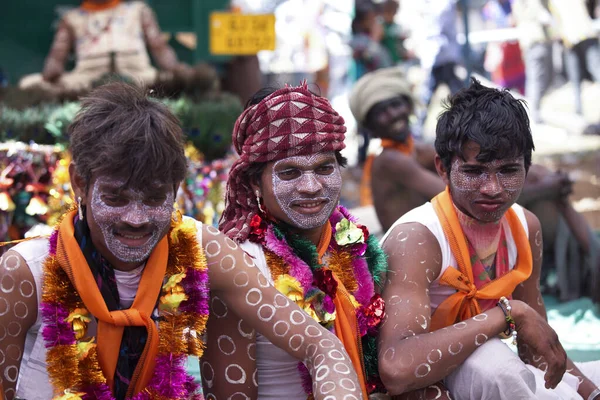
255	170
492	118
120	131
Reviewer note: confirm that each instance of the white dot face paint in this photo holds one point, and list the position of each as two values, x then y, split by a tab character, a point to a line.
485	190
306	189
131	221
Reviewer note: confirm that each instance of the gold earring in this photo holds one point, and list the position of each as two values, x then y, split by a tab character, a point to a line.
258	200
79	208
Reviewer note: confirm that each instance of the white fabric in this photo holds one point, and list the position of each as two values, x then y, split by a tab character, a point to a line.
426	216
495	372
33	383
277	371
127	285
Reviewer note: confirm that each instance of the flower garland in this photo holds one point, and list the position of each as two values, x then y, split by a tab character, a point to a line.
353	256
72	357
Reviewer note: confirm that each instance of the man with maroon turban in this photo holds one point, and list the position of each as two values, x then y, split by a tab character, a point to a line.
282	207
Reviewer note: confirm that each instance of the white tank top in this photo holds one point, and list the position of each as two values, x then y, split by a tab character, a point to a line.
426	216
277	372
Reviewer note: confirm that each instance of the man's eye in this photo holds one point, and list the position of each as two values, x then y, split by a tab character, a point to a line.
289	174
510	170
325	169
155	200
472	171
113	200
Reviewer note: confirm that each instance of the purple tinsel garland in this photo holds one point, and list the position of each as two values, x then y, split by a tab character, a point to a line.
170	378
56	330
53	242
298	268
195	284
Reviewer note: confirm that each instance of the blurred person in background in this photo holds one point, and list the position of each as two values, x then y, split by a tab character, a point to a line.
534	22
367	51
503	59
439	51
393	37
581	42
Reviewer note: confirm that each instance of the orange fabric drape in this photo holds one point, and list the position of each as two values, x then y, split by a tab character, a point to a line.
346	324
88	5
112	323
407	147
464	303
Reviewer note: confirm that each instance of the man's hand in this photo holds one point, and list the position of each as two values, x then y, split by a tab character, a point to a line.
534	331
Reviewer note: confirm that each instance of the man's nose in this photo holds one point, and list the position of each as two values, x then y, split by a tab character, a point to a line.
491	186
309	183
135	215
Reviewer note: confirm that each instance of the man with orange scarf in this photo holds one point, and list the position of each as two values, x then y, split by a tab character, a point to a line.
464	270
108	37
282	207
402	176
116	300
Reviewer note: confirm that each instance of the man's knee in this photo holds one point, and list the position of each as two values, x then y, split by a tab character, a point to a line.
493	371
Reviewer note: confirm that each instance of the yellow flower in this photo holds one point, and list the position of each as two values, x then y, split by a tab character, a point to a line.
348	233
83	348
355	303
170	302
68	395
186	225
79	319
291	288
173	281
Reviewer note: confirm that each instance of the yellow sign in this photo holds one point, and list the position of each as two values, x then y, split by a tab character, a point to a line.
241	34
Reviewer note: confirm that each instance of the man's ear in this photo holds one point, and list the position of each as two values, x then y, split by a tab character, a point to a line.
77	183
441	169
255	187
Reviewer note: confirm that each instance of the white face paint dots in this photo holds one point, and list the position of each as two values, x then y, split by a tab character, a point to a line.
131	221
306	188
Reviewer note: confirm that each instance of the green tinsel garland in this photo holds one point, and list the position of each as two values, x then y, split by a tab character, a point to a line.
376	260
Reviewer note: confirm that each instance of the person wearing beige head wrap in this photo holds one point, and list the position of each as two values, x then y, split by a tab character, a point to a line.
402	176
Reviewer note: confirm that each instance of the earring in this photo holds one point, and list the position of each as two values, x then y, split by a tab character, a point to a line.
258	201
79	208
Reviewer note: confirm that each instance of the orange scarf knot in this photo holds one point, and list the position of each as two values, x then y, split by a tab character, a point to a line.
464	304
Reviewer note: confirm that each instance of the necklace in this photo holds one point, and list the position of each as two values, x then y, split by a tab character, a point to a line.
352	259
72	356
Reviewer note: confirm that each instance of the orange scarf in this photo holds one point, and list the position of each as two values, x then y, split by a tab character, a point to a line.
464	303
92	6
407	147
346	325
111	323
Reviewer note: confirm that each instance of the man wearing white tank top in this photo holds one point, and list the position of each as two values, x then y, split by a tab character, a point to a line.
464	271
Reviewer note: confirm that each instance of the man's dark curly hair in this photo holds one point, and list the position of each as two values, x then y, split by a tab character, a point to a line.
492	118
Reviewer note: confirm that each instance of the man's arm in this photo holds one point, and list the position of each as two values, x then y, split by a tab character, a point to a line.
54	65
529	292
243	288
409	356
406	171
18	312
230	341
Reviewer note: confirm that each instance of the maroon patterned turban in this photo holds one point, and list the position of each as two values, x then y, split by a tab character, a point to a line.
290	122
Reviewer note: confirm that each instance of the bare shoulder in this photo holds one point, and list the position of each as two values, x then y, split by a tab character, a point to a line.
533	223
412	246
